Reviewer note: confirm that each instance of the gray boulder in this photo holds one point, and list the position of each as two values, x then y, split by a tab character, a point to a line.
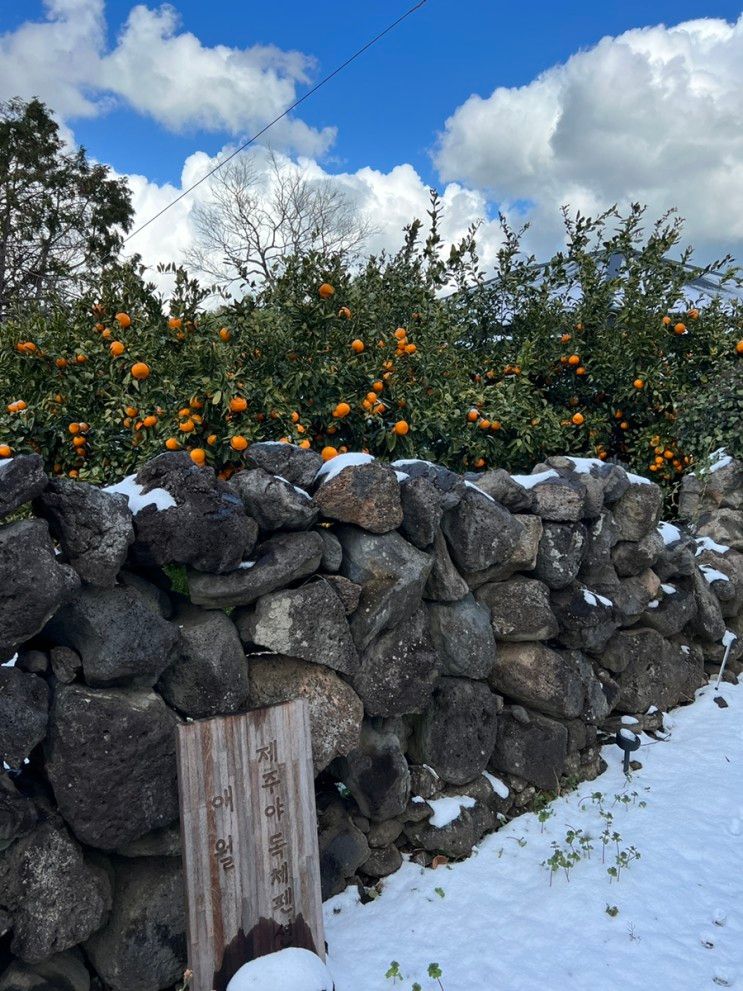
117	635
332	552
535	750
280	560
544	679
421	511
597	566
343	849
366	495
462	637
456	734
480	532
336	711
18	814
653	673
381	862
55	897
450	486
142	947
24	711
274	503
708	622
560	553
32	584
347	591
724	526
61	972
392	574
397	671
632	596
499	485
206	529
457	838
210	676
586	618
376	773
308	622
102	736
671	614
519	608
22	479
638	511
93	527
297	465
66	664
630	557
561	500
523	557
444	584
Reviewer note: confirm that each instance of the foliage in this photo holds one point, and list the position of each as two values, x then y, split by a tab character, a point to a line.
711	416
60	214
416	353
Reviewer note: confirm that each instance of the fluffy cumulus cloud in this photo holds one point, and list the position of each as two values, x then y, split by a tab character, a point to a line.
389	201
654	115
156	69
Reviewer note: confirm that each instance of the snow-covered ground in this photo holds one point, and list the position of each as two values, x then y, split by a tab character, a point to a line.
495	921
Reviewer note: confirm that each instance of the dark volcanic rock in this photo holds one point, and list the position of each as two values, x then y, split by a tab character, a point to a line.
55	897
392	574
22	478
421	511
111	762
297	466
24	709
535	750
456	734
480	532
32	584
398	670
117	635
93	527
463	637
520	609
142	947
281	560
274	503
376	773
210	675
367	495
206	529
308	622
560	554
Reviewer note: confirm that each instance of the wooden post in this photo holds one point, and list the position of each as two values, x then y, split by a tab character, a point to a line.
249	839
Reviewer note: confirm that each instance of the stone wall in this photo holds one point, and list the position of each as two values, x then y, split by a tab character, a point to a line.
462	643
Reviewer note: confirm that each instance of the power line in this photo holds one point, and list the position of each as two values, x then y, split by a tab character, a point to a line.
309	93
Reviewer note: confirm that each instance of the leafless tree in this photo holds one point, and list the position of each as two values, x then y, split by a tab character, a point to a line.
260	211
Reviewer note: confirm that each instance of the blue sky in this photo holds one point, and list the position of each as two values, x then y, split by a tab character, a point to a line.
389	106
578	103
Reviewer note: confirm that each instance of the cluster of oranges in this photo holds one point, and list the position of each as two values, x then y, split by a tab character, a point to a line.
482	422
666	458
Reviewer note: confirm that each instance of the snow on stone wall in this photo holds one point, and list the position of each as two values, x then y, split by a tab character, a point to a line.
462	642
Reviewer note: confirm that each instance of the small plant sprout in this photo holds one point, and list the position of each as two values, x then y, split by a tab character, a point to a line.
440	892
435	973
393	972
543	816
611	910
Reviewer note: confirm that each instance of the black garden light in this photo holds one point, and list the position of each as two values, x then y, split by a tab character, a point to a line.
628	742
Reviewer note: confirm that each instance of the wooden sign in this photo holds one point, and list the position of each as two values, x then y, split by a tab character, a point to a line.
249	839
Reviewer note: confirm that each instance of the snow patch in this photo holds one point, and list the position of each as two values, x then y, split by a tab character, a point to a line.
593	598
4	464
669	533
447	809
499	787
708	544
719	459
336	465
712	574
529	481
138	499
295	487
728	638
293	969
653	604
10	663
472	485
669	589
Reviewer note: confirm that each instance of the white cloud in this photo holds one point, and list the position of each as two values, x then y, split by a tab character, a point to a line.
156	69
389	199
655	115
